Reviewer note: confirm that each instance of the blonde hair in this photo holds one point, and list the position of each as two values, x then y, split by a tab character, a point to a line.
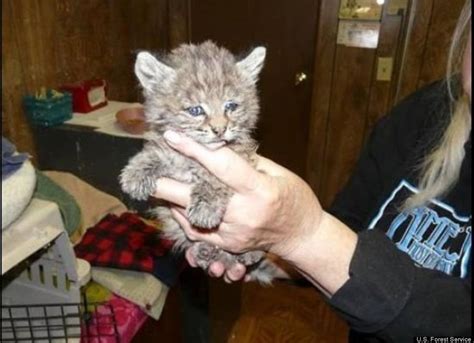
440	170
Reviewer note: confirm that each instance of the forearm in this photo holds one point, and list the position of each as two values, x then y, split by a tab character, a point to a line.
377	288
324	256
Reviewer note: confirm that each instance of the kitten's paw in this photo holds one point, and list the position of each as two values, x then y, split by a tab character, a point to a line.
136	184
204	254
264	273
205	215
250	258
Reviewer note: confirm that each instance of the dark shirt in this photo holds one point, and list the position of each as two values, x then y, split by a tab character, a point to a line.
411	271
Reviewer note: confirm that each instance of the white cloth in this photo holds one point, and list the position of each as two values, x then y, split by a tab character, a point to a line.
140	288
17	191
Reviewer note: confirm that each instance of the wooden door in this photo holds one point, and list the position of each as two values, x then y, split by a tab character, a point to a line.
288	30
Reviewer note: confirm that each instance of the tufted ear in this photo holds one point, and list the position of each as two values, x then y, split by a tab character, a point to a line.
152	73
253	63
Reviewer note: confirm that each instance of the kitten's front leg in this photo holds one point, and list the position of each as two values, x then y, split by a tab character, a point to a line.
138	178
208	204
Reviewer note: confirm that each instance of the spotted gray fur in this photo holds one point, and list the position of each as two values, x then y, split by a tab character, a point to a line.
191	75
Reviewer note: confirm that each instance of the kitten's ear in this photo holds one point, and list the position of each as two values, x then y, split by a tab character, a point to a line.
253	63
151	72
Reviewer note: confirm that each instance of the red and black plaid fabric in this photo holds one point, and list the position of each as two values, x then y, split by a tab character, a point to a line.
124	242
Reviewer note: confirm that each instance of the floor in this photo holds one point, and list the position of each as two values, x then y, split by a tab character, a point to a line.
249	313
285	313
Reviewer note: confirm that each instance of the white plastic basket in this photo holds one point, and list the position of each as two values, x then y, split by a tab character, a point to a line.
40	278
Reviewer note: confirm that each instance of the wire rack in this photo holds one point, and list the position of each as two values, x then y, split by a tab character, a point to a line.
84	323
41	284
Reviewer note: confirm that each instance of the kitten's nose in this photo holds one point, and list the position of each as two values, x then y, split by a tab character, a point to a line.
219	129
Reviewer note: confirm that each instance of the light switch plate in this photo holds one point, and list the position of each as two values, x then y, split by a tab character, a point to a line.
385	69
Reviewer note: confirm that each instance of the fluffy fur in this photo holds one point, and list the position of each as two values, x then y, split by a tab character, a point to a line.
208	95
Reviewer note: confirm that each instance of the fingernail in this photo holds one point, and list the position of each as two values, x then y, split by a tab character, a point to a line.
233	275
239	269
172	137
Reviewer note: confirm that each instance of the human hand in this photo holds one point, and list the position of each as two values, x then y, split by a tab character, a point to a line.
238	271
217	269
271	209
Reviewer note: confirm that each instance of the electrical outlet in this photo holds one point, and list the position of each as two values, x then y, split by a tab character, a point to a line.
384	69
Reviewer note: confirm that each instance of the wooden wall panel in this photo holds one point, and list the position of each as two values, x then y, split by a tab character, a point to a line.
443	23
347	100
428	43
13	123
179	22
348	114
382	92
415	43
46	43
325	52
358	104
357	100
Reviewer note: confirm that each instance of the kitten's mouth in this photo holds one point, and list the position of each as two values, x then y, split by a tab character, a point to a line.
216	145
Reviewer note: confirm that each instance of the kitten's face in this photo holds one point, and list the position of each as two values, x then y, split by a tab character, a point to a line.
202	92
212	106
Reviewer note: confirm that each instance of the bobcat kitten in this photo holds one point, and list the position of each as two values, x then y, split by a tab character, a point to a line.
203	92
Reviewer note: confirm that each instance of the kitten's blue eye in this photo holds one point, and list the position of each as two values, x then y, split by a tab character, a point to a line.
231	106
195	111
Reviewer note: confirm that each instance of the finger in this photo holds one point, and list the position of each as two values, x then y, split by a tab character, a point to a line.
184	223
190	259
216	269
236	272
180	210
173	191
229	167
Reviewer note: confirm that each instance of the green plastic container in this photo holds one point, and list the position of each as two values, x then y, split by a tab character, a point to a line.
50	111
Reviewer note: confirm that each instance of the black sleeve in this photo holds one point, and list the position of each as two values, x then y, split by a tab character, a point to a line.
395	141
391	297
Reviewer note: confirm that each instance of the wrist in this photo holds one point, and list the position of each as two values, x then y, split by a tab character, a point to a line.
304	215
323	256
304	246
